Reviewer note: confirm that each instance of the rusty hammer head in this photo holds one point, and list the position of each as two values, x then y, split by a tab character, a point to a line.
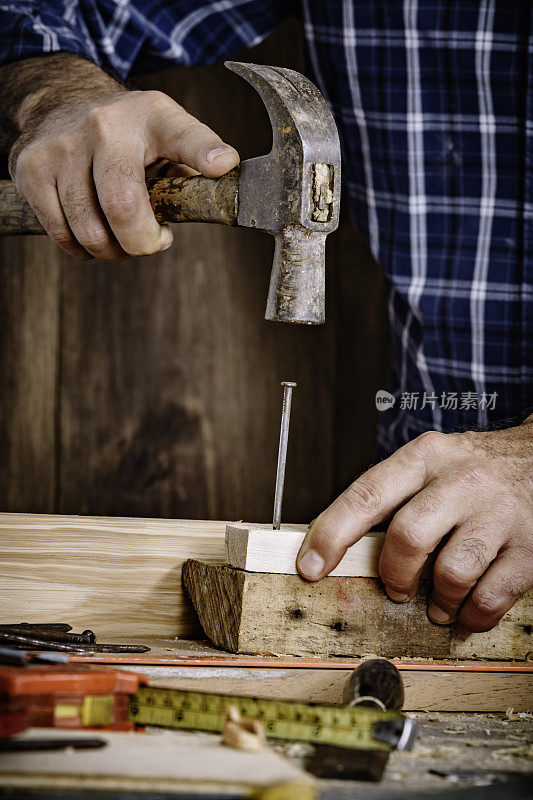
293	192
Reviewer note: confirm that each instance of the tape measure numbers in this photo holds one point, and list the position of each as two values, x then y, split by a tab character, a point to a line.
354	727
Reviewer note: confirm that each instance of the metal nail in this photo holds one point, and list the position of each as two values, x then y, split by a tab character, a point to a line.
288	386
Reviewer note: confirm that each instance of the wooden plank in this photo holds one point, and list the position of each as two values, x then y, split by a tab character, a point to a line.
194	653
250	612
179	762
430	685
424	691
262	549
120	575
30	310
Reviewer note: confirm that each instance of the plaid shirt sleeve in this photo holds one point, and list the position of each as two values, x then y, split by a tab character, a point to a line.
136	36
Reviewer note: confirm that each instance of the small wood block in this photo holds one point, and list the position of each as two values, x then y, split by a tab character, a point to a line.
250	612
258	548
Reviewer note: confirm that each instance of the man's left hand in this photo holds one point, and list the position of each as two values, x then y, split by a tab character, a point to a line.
477	487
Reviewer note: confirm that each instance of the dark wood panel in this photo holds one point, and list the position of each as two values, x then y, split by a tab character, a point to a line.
362	346
29	323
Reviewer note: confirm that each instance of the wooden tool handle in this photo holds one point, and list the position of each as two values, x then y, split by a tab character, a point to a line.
193	199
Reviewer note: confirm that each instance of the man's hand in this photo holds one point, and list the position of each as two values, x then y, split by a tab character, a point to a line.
84	144
478	487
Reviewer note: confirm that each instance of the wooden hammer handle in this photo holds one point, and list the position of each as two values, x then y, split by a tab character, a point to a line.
193	199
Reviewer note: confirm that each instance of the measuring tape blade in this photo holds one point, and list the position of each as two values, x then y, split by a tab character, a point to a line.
356	727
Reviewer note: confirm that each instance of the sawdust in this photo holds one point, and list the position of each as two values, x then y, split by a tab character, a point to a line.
512	714
440	751
521	751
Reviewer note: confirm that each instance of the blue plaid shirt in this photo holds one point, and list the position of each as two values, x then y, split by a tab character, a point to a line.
434	104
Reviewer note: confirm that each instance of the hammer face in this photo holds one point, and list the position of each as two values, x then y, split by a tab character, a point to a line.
294	191
297	290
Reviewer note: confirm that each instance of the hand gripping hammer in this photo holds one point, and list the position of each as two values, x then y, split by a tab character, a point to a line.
293	192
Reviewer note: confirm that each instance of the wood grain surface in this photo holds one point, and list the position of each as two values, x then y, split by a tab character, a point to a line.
262	549
118	577
424	691
251	612
30	320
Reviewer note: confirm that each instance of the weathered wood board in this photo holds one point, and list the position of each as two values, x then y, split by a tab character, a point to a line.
180	763
250	612
258	548
118	576
424	691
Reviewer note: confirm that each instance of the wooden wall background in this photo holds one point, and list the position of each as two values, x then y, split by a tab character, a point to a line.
151	388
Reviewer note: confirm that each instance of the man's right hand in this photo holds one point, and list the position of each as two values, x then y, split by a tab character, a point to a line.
81	164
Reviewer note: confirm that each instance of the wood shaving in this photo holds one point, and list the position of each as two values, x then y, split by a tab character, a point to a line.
243	734
512	714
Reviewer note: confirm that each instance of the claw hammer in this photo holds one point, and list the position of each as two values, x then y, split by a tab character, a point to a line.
293	192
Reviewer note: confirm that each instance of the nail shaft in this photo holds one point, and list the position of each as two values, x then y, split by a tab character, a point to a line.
288	386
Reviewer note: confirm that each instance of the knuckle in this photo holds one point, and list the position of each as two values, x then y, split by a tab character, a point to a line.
157	100
26	163
473	552
194	136
431	443
487	603
453	577
28	171
406	534
94	240
121	167
121	207
102	121
363	496
76	204
67	147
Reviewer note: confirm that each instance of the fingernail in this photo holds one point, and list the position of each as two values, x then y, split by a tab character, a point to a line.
216	152
311	564
437	615
168	244
397	597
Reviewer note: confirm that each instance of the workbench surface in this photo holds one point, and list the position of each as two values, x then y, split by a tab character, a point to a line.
453	754
452	751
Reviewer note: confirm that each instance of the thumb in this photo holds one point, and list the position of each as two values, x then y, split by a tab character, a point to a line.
182	138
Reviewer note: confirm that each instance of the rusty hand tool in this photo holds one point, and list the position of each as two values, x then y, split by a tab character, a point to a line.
293	192
36	643
57	637
38	626
48	634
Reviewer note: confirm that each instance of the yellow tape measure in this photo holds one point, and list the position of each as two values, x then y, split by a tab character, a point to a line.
353	727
